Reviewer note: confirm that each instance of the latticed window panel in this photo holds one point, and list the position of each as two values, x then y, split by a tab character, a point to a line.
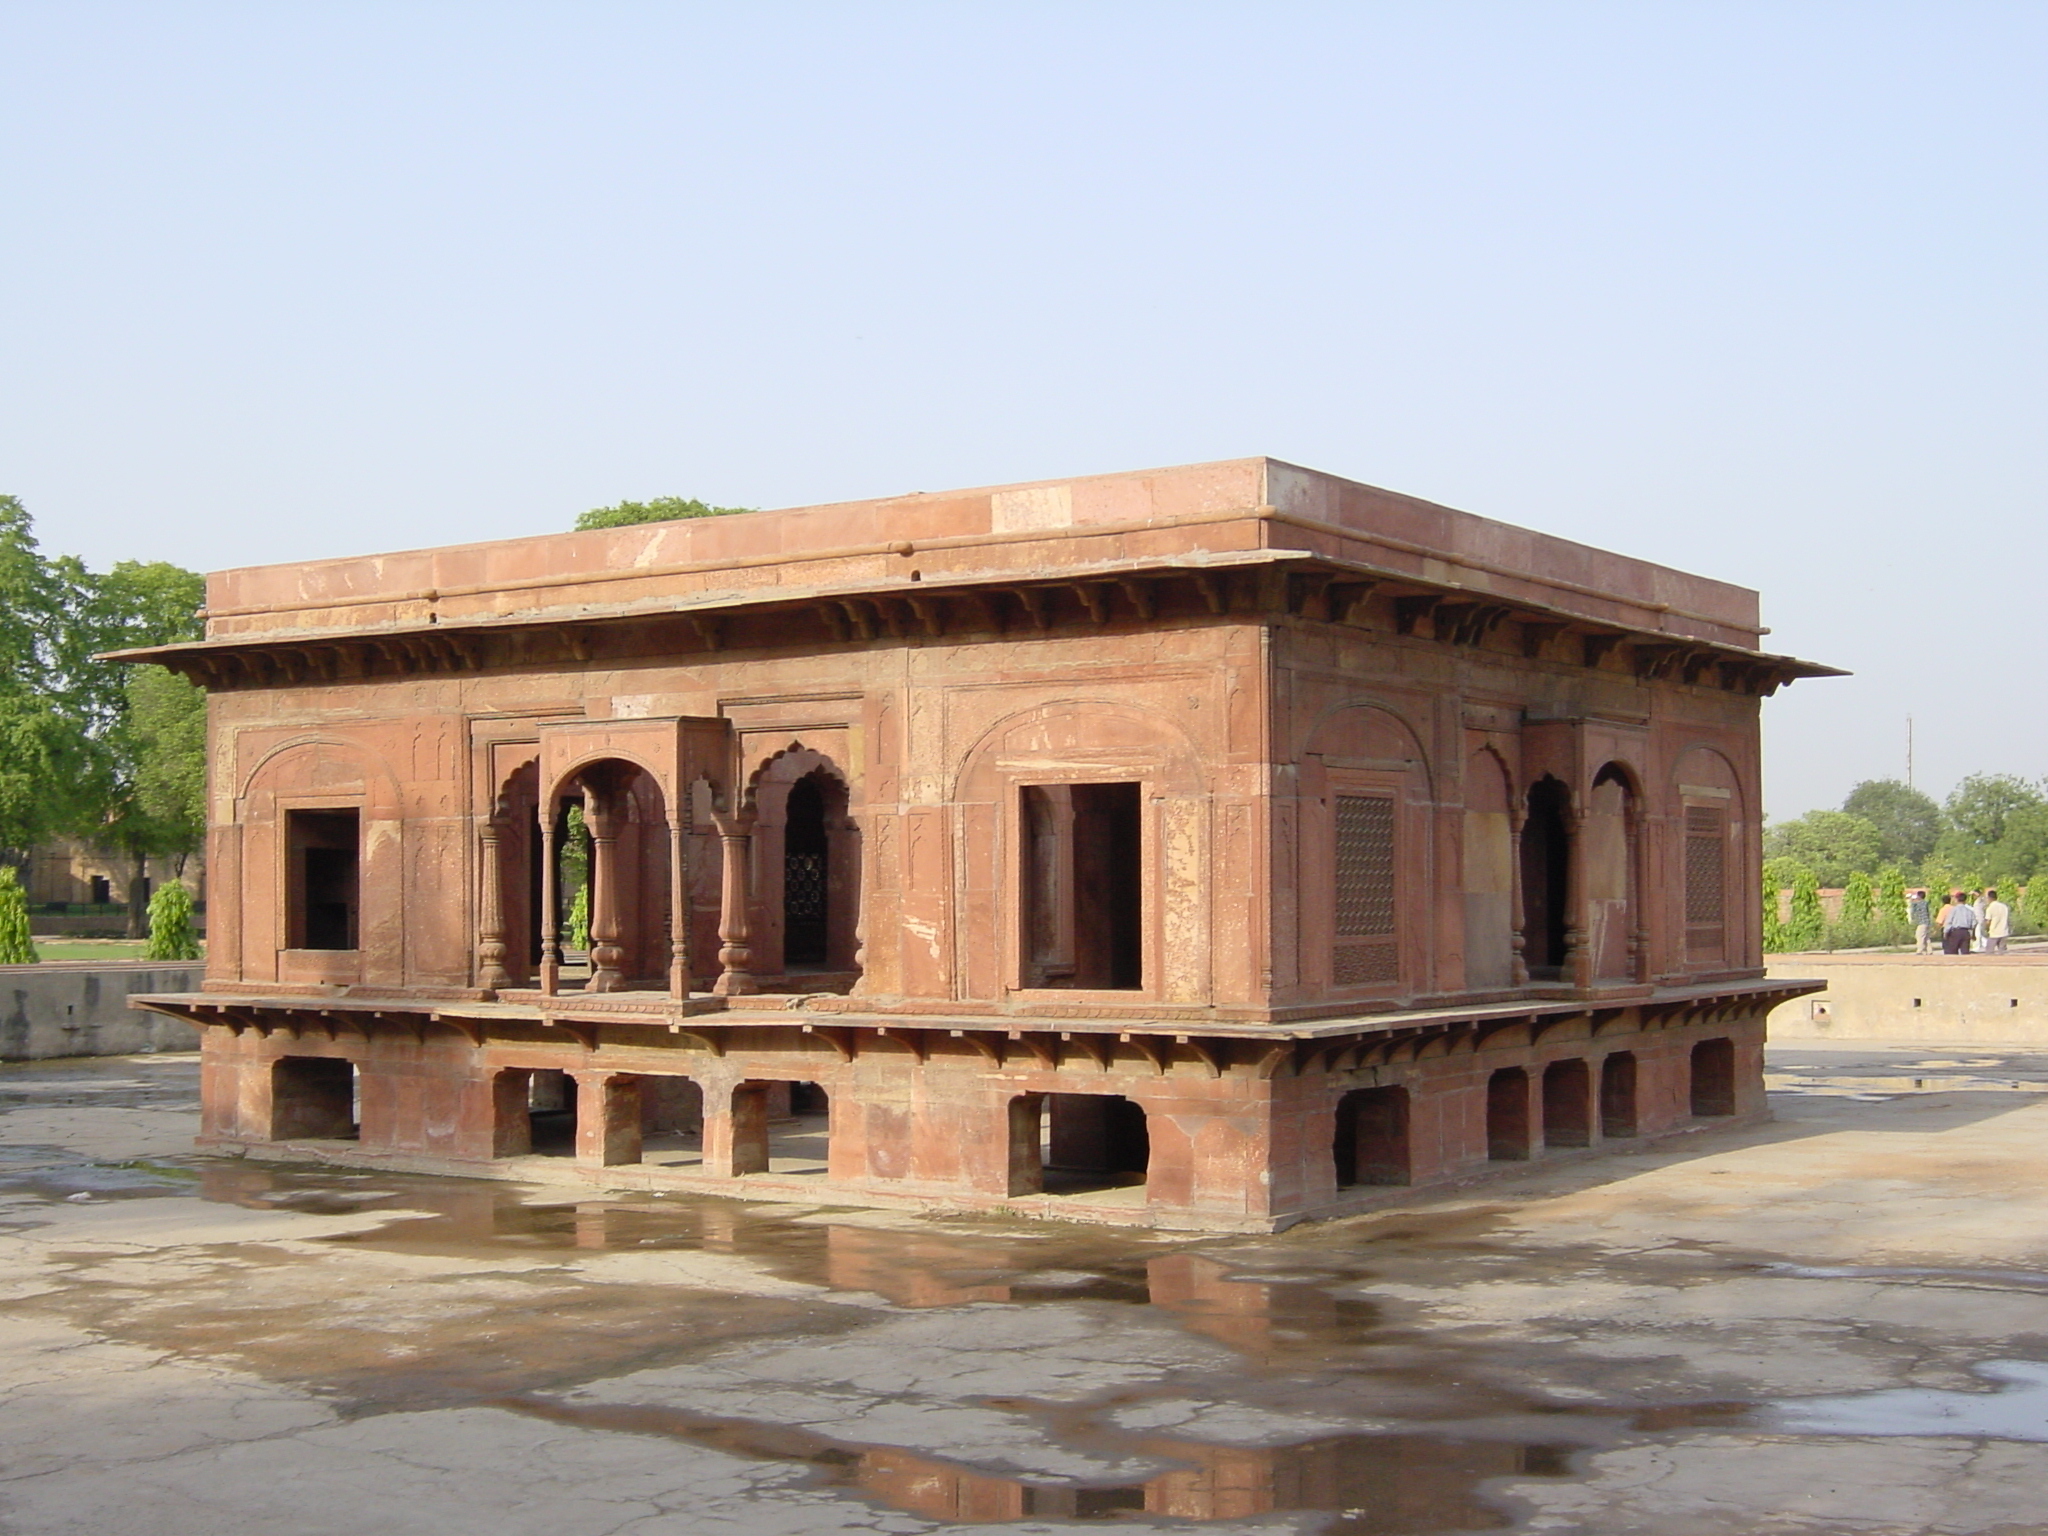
1372	963
1365	952
803	887
1706	880
1365	866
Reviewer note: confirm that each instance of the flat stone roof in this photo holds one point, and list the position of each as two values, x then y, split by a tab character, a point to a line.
1257	508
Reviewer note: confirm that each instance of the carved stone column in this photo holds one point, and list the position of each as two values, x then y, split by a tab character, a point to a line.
1638	933
1518	936
490	935
608	1116
678	905
735	923
1578	958
607	955
550	905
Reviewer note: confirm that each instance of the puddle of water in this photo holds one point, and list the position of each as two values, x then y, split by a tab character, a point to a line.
1377	1485
1886	1084
1399	1427
1980	1279
2017	1410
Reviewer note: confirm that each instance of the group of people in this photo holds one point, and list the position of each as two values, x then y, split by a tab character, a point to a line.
1978	924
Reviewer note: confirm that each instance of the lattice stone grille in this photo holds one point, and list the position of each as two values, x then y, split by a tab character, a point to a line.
1365	952
803	887
1358	965
1365	867
1705	867
1706	880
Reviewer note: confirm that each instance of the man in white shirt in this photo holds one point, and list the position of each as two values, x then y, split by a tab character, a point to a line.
1997	923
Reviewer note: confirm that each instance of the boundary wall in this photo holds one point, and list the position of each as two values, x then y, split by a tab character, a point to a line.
80	1008
1928	999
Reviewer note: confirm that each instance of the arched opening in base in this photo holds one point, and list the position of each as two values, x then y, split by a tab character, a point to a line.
1372	1145
1713	1077
1567	1104
1507	1115
1618	1096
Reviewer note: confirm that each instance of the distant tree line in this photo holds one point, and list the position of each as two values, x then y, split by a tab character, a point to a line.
662	509
112	754
1889	837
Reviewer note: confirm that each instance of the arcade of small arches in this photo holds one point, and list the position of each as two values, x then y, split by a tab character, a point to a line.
603	883
770	890
678	1125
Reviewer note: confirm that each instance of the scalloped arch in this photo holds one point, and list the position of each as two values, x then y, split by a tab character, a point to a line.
1179	754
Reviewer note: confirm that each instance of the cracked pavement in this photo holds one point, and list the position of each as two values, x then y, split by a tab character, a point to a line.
1837	1323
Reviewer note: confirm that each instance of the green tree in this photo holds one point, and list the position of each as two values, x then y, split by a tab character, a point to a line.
1777	875
149	723
1853	927
1907	820
1808	924
2034	905
170	924
156	800
46	777
578	935
16	947
1858	898
68	763
1830	843
663	509
1891	904
1980	807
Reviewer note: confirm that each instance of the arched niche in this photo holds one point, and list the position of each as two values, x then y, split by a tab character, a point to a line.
1712	892
1545	865
1611	834
807	876
322	853
509	876
628	872
1488	859
1082	856
1364	864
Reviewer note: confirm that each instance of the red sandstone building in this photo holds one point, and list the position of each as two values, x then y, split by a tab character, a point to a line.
1209	847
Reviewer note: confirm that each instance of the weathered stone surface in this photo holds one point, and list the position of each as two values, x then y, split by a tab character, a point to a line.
80	1008
1822	1326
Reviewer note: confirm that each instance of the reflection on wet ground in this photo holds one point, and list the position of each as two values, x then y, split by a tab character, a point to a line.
959	1371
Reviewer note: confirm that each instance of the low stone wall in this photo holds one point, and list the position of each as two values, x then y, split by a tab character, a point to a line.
1932	999
80	1008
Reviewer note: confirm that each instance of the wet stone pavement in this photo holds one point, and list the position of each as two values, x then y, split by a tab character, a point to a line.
1834	1323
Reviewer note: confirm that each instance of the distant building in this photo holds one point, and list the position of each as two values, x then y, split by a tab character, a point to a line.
1207	847
90	884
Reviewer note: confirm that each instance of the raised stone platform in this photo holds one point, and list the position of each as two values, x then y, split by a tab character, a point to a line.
80	1008
1992	999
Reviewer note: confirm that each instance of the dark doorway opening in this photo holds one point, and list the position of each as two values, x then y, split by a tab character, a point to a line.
551	1113
1618	1096
1507	1115
802	1143
1713	1077
1546	870
671	1121
1372	1137
806	876
1567	1104
1083	906
312	1098
102	890
322	848
1093	1141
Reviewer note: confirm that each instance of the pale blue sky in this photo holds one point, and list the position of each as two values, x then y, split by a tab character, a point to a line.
1754	290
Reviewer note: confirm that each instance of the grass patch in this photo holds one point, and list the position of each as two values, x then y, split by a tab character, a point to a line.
96	949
